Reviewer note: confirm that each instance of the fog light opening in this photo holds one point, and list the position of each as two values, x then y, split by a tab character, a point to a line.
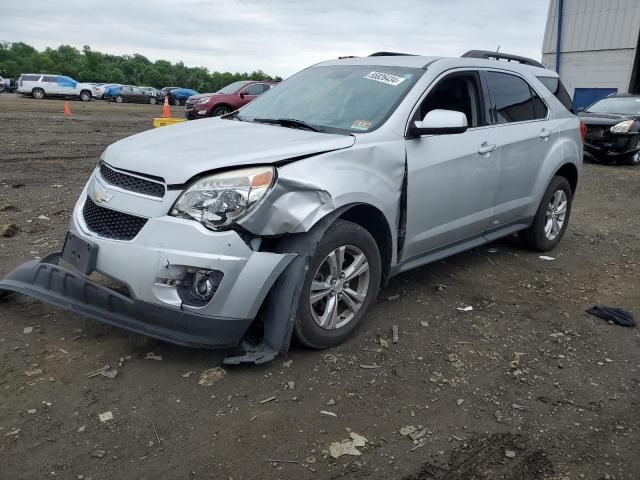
197	288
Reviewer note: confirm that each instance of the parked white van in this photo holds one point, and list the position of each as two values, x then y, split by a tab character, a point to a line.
39	86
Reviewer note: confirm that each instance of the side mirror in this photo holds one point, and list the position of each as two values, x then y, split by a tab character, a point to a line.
440	122
242	94
581	109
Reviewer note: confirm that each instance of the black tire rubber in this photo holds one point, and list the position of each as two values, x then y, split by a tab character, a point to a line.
634	160
176	102
84	97
153	100
222	110
534	237
33	93
342	232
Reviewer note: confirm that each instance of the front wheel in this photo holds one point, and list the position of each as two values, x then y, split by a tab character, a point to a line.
119	99
85	95
552	217
153	100
340	286
218	111
176	102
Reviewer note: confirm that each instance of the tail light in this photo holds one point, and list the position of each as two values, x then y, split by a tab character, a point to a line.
583	130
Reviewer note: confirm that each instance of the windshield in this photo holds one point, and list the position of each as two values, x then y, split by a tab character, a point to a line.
232	87
355	98
621	105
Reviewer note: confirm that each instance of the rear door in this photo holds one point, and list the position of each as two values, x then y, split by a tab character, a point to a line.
451	179
526	134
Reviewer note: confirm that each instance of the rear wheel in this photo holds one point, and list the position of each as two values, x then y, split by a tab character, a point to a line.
85	95
221	110
153	100
552	217
119	99
340	286
176	102
37	93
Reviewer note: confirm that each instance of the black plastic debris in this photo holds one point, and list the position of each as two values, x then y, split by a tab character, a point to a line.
616	315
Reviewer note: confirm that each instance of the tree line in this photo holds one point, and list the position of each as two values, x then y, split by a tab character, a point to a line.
90	66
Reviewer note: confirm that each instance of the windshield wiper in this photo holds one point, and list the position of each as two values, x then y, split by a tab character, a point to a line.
288	122
234	115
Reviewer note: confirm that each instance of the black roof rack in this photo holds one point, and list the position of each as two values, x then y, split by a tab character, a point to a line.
391	54
487	55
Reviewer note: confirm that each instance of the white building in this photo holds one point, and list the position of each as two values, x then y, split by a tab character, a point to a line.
599	49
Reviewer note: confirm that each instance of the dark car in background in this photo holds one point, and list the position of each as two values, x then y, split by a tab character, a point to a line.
225	100
613	129
179	96
131	94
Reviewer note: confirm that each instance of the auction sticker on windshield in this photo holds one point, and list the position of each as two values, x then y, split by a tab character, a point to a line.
385	78
361	125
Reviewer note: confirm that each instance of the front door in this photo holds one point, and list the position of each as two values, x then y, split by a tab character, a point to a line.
452	179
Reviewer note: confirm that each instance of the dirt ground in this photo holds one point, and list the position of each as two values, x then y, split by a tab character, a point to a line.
526	386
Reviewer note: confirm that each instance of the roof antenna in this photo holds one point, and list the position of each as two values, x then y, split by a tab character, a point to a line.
498	49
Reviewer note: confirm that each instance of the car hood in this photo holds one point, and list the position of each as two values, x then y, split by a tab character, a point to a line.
193	98
605	118
179	152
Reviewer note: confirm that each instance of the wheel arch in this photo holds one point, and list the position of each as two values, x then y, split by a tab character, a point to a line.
570	172
222	104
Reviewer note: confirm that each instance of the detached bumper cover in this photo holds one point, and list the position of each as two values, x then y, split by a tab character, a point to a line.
47	281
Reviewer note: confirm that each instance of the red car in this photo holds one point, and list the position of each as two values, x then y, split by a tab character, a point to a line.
226	100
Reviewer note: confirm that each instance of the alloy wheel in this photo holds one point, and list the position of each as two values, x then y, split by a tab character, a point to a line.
339	287
556	214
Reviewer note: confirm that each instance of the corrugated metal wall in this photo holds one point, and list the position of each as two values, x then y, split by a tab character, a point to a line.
593	25
599	40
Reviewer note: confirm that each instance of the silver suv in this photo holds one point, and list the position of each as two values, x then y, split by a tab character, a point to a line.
286	217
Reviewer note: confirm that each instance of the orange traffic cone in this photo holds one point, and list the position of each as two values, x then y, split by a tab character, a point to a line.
166	111
67	110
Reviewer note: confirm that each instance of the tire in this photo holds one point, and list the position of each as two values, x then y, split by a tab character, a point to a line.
119	99
176	102
634	160
37	93
153	100
85	95
221	110
355	243
543	236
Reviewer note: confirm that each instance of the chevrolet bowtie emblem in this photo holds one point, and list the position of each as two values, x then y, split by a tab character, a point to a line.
102	196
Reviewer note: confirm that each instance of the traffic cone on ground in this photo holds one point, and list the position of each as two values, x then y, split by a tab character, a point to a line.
67	110
166	111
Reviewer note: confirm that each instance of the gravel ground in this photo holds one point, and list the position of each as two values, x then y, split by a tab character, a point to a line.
526	386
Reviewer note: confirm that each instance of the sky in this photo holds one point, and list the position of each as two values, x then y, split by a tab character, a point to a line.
279	37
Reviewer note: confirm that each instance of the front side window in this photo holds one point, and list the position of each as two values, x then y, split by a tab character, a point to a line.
254	89
459	92
67	82
512	98
349	98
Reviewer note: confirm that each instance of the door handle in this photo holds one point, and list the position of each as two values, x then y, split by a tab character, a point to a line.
544	133
486	148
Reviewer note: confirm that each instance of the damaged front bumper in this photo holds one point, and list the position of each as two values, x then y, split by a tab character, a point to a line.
151	269
51	283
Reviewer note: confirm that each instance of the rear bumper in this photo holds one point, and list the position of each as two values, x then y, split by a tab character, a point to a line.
47	281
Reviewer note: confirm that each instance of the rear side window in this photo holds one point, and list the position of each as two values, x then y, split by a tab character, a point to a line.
512	97
555	86
30	78
540	109
50	79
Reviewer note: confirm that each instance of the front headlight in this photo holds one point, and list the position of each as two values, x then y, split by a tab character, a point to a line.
220	200
622	127
203	100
